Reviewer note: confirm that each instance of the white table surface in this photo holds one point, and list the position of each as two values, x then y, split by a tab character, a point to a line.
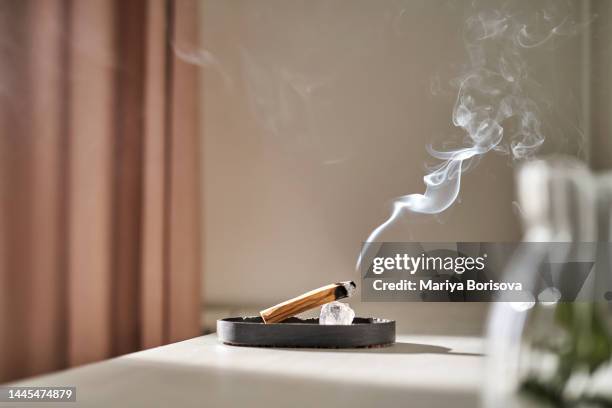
418	371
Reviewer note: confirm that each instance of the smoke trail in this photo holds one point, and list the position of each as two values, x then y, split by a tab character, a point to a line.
202	58
492	105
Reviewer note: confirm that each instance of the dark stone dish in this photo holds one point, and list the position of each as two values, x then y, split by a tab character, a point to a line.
296	332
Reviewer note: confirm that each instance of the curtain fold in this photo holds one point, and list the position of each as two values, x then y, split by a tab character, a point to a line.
99	181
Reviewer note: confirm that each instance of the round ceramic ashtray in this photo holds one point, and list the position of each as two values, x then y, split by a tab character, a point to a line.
296	332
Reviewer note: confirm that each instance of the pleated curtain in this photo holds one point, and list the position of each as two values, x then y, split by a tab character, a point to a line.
99	181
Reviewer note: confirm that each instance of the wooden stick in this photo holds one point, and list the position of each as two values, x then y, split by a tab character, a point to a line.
307	301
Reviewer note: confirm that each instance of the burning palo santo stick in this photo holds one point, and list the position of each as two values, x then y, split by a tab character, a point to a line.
307	301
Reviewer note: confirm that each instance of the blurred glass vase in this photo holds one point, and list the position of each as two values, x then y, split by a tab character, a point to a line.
555	349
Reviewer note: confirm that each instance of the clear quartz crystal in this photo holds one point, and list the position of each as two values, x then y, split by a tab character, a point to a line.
336	313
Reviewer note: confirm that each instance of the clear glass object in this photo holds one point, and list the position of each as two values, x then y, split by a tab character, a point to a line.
547	351
336	313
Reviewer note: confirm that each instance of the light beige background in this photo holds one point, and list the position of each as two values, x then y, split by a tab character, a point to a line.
316	115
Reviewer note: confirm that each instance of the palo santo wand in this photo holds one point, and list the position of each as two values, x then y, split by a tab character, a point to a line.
307	301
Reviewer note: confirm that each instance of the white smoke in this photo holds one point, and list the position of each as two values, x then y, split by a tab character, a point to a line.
202	58
493	106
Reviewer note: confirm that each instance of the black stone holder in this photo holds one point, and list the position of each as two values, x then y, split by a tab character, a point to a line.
306	333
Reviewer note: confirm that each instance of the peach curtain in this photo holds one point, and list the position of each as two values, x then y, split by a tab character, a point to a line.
99	181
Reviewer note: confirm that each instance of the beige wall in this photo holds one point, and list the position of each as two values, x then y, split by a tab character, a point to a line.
316	115
601	86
